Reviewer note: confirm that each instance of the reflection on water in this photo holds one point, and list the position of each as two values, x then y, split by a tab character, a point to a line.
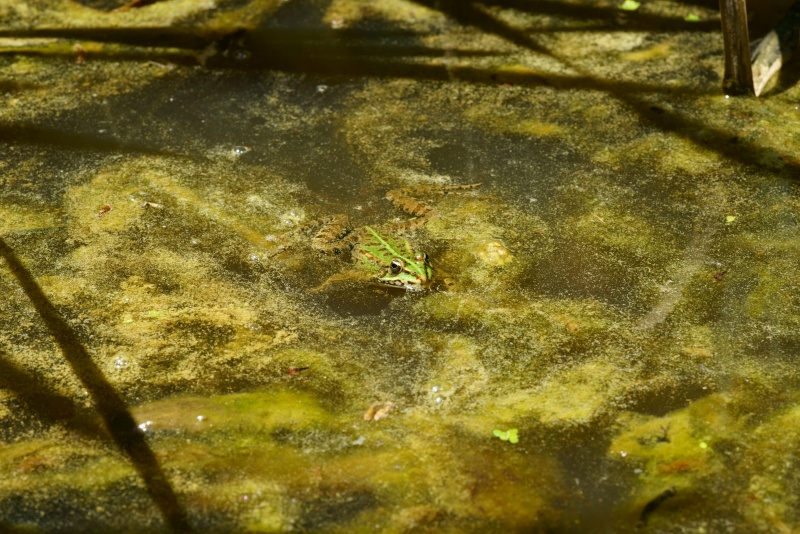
620	290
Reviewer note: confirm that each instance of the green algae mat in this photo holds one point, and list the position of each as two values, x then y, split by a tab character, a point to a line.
599	334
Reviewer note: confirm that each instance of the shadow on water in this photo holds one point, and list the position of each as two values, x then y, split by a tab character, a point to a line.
172	37
605	18
47	406
718	140
63	137
338	53
117	418
321	53
381	52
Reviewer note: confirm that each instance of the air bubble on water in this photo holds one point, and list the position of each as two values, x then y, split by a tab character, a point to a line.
120	363
144	426
321	88
292	217
239	150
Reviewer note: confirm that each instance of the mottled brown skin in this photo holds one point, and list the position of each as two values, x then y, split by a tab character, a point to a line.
330	237
406	199
334	234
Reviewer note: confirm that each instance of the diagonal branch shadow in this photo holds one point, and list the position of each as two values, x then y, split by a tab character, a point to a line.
48	406
112	408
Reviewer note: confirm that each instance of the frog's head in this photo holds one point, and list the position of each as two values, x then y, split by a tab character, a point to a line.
411	272
393	261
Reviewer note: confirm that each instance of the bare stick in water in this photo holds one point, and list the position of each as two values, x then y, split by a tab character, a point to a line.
738	78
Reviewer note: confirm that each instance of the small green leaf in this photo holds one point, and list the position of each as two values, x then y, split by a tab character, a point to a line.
510	435
630	5
691	17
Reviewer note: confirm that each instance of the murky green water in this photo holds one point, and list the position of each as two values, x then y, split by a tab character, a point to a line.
622	289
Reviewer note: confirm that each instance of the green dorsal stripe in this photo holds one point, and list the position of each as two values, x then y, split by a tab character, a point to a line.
392	247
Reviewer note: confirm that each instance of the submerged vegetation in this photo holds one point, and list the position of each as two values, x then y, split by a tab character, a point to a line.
611	330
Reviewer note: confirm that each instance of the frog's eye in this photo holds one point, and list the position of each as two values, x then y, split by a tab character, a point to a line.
396	266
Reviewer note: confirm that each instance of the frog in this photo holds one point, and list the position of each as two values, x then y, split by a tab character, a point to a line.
380	254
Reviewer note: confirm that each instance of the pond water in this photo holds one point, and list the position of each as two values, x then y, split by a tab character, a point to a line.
608	341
